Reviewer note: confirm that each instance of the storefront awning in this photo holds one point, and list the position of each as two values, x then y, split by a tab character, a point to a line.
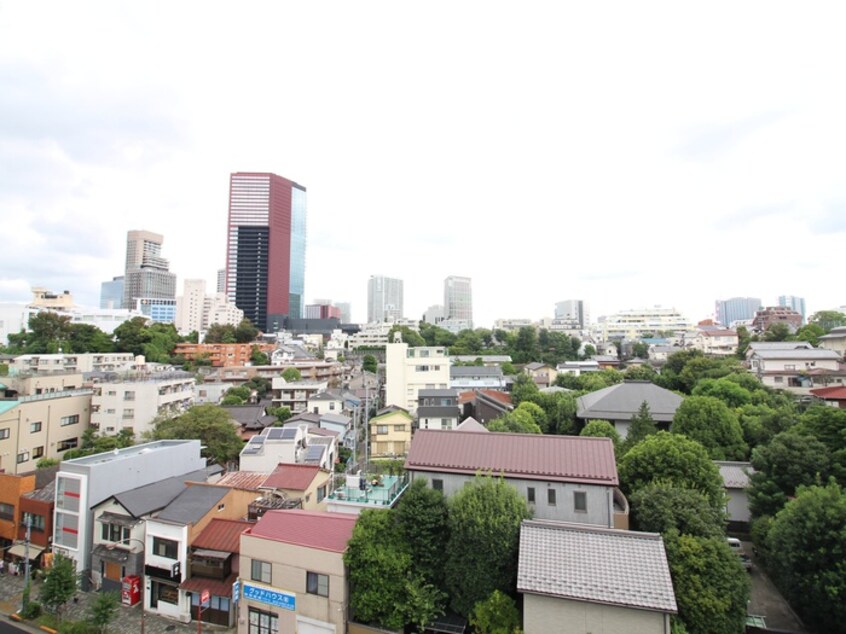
216	587
19	550
116	518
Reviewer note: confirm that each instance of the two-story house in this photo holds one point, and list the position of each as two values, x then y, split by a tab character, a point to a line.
293	577
563	478
794	367
438	409
297	444
390	432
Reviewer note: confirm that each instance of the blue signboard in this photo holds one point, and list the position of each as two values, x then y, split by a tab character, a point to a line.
236	591
262	594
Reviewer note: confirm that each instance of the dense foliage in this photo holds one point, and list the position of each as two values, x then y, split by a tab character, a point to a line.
208	423
662	507
709	421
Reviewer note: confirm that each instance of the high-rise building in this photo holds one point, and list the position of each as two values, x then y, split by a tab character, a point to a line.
384	299
794	303
458	299
735	309
189	313
111	293
266	243
147	274
575	311
346	312
221	280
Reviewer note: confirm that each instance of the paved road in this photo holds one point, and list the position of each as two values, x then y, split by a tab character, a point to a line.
765	600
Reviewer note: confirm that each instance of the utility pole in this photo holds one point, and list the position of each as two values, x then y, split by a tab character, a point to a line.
28	522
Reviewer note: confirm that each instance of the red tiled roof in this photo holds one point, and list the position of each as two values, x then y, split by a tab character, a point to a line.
245	480
296	477
502	397
216	587
531	456
324	531
833	393
222	535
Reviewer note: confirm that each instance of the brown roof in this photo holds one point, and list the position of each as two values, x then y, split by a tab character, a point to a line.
216	587
531	456
832	393
222	535
296	477
311	529
245	480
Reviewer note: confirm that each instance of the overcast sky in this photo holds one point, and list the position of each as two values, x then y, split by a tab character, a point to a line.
630	154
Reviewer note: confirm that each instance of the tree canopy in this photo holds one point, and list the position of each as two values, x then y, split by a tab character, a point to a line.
59	584
208	423
709	421
661	507
603	429
423	518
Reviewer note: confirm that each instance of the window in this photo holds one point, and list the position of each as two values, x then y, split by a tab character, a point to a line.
36	522
789	367
128	413
422	368
23	457
321	493
381	429
260	571
317	584
530	495
7	511
69	420
550	497
262	622
399	427
778	379
35	427
111	393
38	452
129	395
437	484
4	433
70	443
580	502
115	533
331	406
165	593
165	548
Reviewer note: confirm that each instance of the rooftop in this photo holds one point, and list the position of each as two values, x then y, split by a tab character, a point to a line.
192	504
596	565
152	497
244	480
802	353
530	456
296	477
474	371
128	452
623	400
735	474
378	492
222	535
311	529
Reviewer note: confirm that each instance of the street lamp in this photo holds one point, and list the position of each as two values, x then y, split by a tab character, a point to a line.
143	546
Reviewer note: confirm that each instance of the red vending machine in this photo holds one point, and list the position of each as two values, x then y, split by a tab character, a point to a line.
130	592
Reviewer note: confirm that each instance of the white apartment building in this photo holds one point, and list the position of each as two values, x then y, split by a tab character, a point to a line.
512	324
458	299
196	311
384	298
135	403
716	341
409	370
575	312
376	334
75	363
639	322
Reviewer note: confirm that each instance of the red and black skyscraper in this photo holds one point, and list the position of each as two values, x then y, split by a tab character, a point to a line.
266	241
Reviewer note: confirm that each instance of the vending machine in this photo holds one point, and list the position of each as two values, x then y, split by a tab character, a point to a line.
130	591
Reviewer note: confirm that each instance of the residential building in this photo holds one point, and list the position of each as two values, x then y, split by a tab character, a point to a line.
833	396
736	481
41	426
222	354
384	299
475	377
308	483
221	281
327	402
168	541
322	311
44	298
75	363
409	370
37	508
111	293
82	483
390	432
714	341
146	273
575	312
563	478
210	392
134	402
577	368
772	315
438	409
587	580
458	300
794	303
485	405
266	246
161	310
541	374
293	577
435	314
296	444
729	311
642	322
512	324
834	340
295	394
795	368
376	334
12	487
191	306
618	403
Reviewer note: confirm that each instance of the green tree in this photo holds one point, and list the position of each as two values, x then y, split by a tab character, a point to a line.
242	392
220	333
59	584
412	338
661	507
257	357
526	347
208	423
103	609
423	518
292	374
828	319
495	615
809	535
711	587
778	331
641	373
641	426
260	385
519	421
675	459
589	351
709	421
132	335
281	413
603	429
729	392
369	364
88	338
484	523
810	333
245	332
523	389
640	350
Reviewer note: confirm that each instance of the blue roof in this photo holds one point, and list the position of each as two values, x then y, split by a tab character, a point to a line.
5	406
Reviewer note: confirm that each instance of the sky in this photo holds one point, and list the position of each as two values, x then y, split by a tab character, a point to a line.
628	154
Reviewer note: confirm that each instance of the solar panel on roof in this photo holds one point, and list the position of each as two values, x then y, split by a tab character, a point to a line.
314	452
281	433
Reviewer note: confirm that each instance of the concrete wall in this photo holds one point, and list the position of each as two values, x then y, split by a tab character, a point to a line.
599	498
542	615
738	506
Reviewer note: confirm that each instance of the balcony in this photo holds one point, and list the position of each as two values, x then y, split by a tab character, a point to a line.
378	492
621	510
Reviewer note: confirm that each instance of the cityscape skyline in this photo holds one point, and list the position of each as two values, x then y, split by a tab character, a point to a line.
632	189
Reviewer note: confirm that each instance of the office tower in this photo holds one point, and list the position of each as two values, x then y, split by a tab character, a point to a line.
575	311
111	293
384	299
147	273
735	309
190	307
346	312
458	299
434	314
793	302
221	280
266	243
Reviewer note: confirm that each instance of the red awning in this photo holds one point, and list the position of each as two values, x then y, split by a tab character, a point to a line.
216	587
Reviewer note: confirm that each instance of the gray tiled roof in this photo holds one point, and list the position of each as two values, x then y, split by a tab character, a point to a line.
152	497
474	370
735	474
622	401
192	504
596	565
438	411
435	393
814	353
757	346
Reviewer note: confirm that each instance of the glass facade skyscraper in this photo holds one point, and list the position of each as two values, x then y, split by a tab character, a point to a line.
266	243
